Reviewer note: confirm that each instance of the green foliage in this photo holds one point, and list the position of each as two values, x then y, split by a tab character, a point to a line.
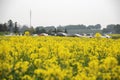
115	36
66	30
117	29
1	33
16	28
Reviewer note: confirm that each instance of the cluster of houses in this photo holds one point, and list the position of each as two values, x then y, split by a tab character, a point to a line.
69	31
73	35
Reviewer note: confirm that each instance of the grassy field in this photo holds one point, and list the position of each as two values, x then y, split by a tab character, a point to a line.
115	36
59	58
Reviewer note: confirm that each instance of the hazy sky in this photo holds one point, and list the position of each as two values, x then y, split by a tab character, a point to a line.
61	12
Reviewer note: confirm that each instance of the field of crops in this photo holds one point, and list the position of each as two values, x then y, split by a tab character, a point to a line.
115	36
59	58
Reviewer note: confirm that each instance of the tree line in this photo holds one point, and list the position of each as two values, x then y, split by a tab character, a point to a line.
112	28
13	27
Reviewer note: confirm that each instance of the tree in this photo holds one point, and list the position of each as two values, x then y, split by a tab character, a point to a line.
5	27
105	30
50	31
65	30
1	27
24	28
10	22
37	30
97	26
40	29
16	28
117	29
31	29
43	31
90	27
59	30
55	30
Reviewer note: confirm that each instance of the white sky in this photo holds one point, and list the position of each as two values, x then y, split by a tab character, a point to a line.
61	12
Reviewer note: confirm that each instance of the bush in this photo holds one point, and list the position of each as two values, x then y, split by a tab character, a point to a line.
27	33
97	35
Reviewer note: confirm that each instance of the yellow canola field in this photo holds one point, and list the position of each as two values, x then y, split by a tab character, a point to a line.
59	58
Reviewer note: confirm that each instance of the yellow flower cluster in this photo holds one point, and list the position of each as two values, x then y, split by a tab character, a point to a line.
59	58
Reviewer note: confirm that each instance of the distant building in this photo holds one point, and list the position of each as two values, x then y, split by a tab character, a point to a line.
82	29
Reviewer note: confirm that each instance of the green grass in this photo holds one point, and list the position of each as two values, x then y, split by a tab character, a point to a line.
115	36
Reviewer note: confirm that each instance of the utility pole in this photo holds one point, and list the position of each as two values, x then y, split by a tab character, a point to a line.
30	17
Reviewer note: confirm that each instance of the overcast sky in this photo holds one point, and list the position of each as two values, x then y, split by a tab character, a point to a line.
61	12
